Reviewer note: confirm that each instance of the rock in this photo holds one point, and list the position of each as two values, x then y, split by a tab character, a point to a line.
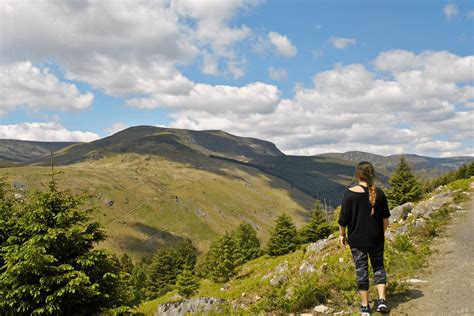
341	313
400	212
109	203
420	222
341	259
389	235
413	281
18	196
401	230
18	185
192	305
322	309
426	208
266	276
282	267
317	246
306	267
200	212
279	279
225	287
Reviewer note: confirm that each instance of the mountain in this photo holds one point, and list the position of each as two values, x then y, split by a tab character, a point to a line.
323	177
169	142
22	151
153	186
424	166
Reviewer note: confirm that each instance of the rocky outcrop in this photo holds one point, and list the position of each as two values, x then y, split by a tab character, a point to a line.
316	247
192	305
401	212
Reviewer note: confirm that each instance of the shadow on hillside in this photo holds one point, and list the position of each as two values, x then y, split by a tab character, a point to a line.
153	239
403	297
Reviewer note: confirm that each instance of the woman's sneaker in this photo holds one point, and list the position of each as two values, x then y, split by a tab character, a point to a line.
381	305
365	310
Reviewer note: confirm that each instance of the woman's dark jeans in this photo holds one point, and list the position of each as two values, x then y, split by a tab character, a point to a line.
362	267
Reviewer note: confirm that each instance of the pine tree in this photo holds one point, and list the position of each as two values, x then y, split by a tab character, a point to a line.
318	226
187	283
246	242
165	266
283	238
138	283
50	266
405	187
225	265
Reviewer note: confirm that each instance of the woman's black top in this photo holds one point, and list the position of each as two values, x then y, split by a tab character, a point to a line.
364	230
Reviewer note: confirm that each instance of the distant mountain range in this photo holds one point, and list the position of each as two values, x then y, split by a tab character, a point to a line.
322	176
153	186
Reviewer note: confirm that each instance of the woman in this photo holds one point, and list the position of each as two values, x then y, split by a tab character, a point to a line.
365	212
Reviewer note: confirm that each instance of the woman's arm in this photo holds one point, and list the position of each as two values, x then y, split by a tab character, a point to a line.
342	235
385	224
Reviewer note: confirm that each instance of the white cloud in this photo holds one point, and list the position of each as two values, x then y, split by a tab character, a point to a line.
23	84
282	44
436	65
252	98
277	74
470	14
124	36
40	131
213	32
342	42
353	108
116	127
450	10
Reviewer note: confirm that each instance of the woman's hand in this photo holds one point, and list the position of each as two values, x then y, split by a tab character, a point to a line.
343	240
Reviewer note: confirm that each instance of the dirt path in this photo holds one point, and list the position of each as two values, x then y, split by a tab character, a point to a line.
449	289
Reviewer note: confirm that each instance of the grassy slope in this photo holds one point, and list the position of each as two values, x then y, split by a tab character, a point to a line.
158	201
339	275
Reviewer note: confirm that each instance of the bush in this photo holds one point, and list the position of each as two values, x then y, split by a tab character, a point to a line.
403	243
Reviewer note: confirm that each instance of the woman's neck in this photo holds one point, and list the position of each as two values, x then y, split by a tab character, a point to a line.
363	183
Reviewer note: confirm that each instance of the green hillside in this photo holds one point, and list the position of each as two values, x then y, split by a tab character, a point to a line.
145	201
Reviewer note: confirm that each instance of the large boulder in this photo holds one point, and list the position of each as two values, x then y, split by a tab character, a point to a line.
400	212
192	305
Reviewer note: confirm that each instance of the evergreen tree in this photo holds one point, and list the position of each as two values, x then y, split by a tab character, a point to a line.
126	263
165	266
246	242
470	170
405	187
318	226
50	266
186	283
283	238
138	283
226	262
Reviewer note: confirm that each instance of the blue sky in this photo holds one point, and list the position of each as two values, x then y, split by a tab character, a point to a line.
386	77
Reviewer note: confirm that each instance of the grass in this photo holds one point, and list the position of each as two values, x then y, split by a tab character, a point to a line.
157	202
334	284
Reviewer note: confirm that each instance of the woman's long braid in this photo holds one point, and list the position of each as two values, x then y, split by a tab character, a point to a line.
365	172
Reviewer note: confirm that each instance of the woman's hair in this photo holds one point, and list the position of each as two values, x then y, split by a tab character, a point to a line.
365	172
